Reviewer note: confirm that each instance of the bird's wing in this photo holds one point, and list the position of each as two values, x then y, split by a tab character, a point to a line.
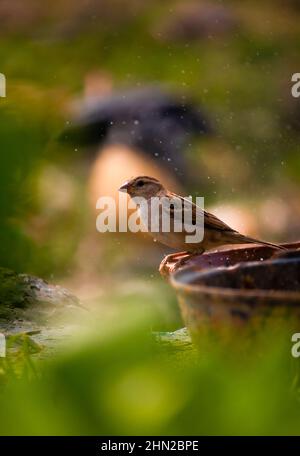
173	206
214	223
210	221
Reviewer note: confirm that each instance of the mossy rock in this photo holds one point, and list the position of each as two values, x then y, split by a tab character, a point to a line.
24	295
13	293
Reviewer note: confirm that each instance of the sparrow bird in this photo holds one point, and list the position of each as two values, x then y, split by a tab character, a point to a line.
216	232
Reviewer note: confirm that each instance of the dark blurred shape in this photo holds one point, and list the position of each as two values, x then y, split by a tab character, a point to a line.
293	4
194	20
290	117
150	120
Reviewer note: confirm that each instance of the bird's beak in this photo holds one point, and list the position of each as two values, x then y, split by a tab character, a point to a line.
124	187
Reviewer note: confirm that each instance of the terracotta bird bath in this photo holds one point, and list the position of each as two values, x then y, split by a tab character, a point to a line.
236	289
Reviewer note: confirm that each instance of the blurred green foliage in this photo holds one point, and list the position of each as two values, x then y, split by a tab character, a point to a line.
117	381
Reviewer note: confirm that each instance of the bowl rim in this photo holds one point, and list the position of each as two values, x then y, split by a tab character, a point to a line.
228	250
291	296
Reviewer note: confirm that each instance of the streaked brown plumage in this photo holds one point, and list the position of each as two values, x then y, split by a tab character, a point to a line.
216	232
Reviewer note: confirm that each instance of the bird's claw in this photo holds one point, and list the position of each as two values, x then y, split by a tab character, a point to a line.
171	262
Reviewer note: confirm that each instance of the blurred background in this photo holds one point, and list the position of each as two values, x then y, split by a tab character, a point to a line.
197	93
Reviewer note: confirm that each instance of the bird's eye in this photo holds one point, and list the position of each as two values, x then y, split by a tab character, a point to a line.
140	183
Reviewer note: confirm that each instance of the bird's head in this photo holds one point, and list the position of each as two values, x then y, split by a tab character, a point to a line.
142	186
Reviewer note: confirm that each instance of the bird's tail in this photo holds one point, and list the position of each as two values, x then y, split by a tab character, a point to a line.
248	240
